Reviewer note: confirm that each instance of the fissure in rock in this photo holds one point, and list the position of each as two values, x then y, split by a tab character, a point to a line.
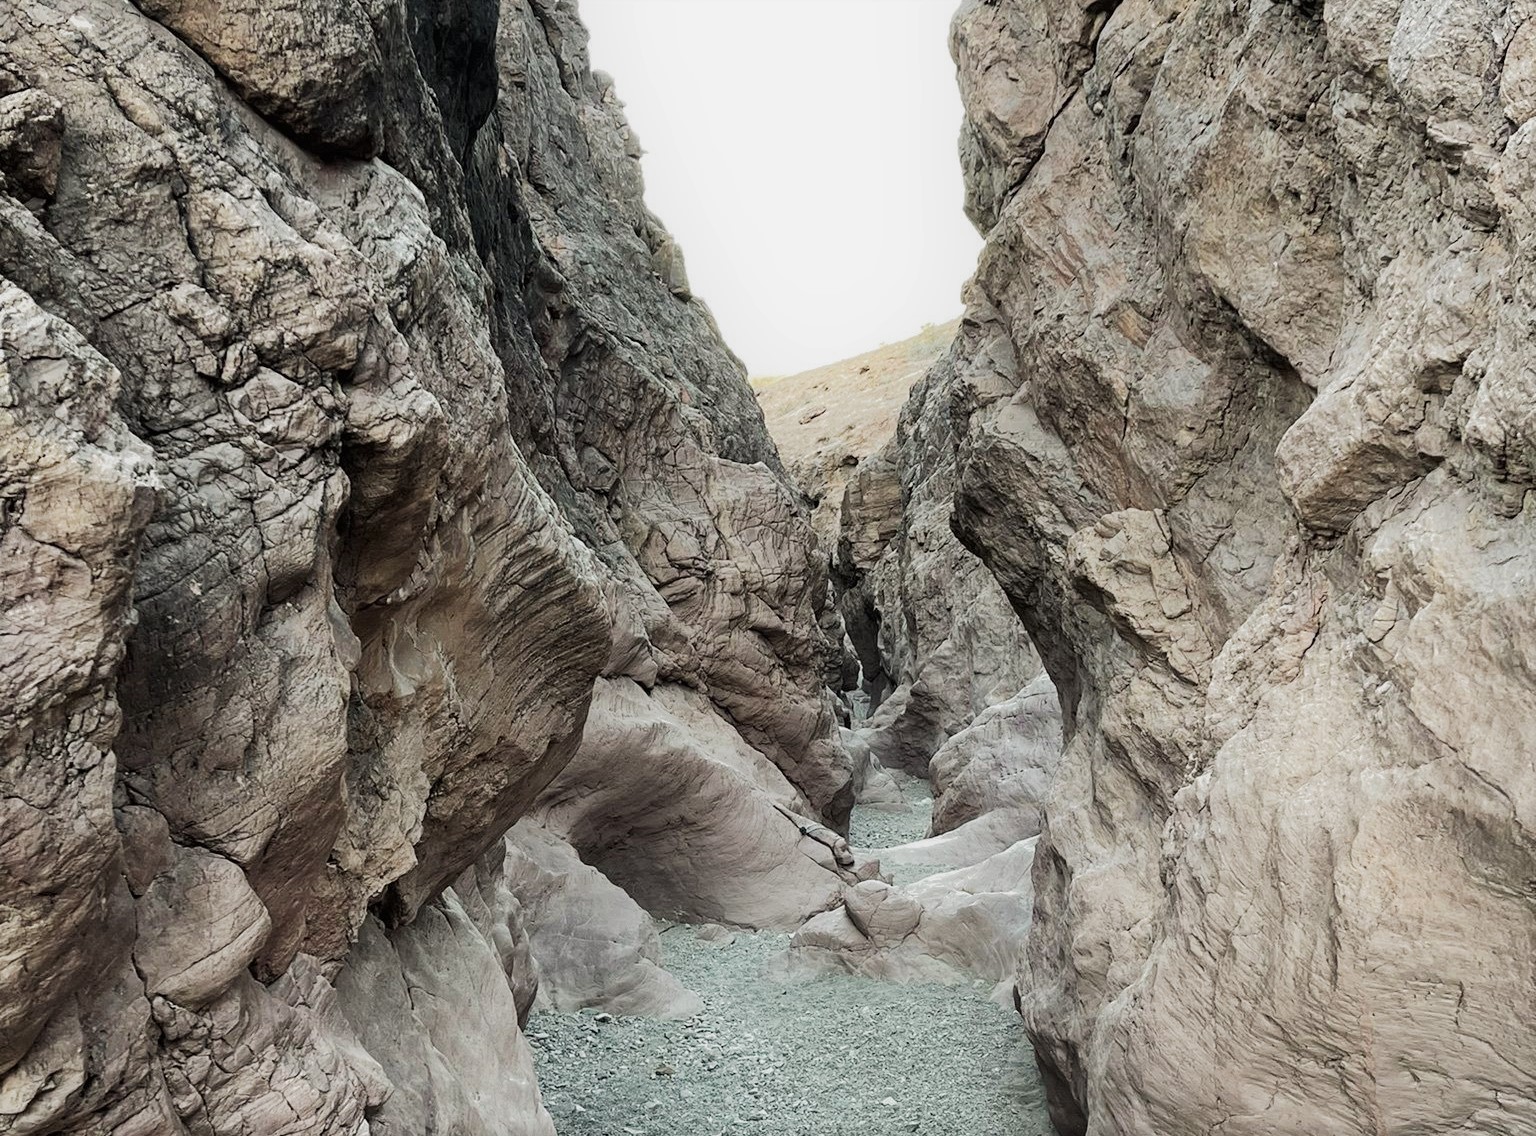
440	694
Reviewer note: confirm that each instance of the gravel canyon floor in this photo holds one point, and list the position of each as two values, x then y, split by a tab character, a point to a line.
824	1056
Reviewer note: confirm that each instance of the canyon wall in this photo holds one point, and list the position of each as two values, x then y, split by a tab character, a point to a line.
357	423
933	631
930	640
1247	437
370	480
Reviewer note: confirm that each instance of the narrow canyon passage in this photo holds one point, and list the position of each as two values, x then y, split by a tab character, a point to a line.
779	1050
407	598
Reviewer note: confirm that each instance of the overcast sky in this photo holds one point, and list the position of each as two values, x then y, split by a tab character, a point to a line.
802	152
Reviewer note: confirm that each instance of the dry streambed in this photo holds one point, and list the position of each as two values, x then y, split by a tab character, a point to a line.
826	1056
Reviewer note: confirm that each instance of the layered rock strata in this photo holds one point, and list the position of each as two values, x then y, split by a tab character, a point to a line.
1247	440
935	638
930	641
357	419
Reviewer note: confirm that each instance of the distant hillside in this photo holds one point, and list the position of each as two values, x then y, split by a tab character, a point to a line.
828	420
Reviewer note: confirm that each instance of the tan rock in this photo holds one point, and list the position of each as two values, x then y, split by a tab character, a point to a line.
391	481
77	490
424	1001
593	946
935	636
1256	449
964	924
200	925
828	423
1005	759
881	913
695	831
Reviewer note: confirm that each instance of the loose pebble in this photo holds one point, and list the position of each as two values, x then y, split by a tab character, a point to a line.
834	1055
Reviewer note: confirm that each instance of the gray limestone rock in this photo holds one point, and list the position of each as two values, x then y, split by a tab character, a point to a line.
1252	460
76	490
935	636
592	944
356	417
1005	759
313	67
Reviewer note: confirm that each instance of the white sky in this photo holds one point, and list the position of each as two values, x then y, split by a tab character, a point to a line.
802	152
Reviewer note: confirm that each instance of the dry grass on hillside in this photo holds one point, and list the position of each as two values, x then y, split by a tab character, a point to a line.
849	408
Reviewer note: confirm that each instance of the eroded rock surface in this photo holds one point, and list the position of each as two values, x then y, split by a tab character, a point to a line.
1245	434
949	909
670	804
829	421
590	945
968	922
936	640
929	640
1005	759
356	418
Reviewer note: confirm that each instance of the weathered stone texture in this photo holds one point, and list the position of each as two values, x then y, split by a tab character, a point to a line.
935	637
960	925
1005	759
1255	469
591	945
355	417
76	489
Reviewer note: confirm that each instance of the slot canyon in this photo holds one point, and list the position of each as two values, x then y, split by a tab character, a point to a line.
441	695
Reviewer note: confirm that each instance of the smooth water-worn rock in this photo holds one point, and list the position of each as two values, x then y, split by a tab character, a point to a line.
356	418
1005	759
1244	399
965	922
432	1005
590	945
674	807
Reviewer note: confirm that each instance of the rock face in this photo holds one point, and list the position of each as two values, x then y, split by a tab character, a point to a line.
371	479
962	924
930	641
990	781
355	420
590	944
1244	395
933	632
1005	759
432	1004
673	806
